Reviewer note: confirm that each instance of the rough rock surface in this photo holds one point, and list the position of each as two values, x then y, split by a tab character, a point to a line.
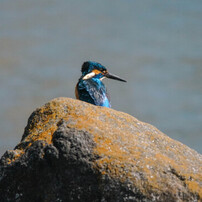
75	151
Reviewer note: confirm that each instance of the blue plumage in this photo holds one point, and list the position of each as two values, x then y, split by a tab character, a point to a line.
90	87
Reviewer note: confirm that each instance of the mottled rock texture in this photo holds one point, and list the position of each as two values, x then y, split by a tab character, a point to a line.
75	151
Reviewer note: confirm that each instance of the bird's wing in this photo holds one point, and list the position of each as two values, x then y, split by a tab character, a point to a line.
97	93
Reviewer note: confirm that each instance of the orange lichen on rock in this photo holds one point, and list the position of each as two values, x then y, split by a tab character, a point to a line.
14	155
130	151
43	123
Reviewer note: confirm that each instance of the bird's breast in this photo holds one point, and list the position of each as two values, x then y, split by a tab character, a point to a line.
76	91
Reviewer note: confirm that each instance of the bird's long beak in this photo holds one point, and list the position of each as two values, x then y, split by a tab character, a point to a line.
112	76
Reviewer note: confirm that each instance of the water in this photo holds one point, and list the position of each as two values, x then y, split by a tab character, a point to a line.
155	45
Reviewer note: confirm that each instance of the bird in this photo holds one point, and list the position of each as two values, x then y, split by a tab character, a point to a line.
90	87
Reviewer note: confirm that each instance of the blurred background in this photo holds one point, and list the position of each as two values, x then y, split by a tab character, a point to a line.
155	45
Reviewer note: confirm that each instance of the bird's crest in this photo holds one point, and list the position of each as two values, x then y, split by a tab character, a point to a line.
89	66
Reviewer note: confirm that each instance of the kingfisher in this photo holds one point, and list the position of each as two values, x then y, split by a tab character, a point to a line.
90	87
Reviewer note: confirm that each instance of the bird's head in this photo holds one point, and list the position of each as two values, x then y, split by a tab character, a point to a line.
92	69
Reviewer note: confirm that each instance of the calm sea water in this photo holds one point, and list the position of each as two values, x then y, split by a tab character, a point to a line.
155	45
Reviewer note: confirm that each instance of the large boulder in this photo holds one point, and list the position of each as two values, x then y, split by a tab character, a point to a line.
75	151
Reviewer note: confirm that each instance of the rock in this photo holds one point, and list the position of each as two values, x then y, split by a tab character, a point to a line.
75	151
